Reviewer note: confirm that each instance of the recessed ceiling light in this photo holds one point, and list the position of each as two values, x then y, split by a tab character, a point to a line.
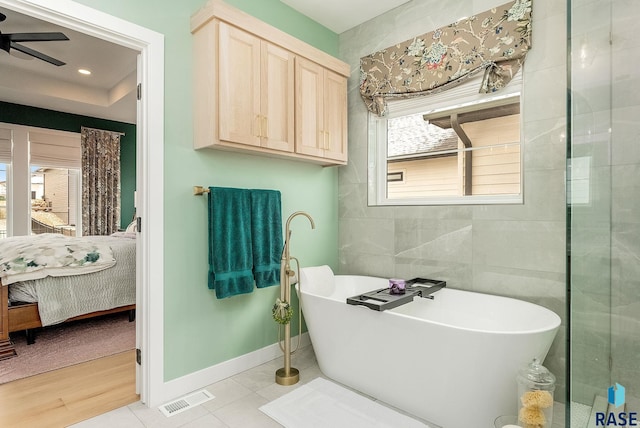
84	71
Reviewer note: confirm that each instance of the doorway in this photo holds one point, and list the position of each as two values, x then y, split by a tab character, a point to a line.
149	166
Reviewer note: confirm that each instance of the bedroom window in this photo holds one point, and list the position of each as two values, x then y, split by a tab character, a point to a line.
39	181
55	182
3	199
5	161
54	200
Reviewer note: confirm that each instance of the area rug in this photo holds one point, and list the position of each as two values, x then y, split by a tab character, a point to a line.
322	403
70	343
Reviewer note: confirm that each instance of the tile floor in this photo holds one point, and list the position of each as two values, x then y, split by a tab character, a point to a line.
236	404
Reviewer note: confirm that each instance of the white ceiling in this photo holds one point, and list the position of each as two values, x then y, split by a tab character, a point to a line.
342	15
109	92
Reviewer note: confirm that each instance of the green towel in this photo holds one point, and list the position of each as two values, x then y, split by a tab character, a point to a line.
266	235
230	247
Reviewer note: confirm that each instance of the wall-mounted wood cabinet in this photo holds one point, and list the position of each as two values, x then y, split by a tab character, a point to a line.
321	111
256	81
259	90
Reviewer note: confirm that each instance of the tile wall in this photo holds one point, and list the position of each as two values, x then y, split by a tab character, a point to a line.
512	250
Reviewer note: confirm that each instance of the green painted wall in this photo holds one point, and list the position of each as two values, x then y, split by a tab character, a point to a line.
42	118
201	331
290	21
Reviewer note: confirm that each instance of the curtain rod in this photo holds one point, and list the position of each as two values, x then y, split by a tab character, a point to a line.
122	134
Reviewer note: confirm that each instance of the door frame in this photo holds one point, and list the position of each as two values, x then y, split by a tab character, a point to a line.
149	170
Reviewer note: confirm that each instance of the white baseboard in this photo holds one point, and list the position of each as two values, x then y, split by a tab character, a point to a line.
183	385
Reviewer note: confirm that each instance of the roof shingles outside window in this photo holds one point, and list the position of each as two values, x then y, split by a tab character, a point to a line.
412	135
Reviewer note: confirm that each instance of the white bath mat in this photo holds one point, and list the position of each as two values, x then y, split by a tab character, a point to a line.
321	404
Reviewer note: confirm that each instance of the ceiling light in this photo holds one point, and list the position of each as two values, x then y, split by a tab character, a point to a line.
84	71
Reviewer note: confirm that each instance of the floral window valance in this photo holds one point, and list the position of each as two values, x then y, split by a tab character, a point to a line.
495	41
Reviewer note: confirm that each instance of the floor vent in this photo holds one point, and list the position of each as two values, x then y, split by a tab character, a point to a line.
186	403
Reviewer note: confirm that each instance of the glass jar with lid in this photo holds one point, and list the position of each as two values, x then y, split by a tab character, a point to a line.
536	385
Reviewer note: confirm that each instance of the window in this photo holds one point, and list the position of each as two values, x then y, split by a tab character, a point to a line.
55	182
3	200
54	209
455	147
39	181
5	161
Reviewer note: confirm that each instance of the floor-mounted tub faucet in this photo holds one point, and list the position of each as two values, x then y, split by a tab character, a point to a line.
288	375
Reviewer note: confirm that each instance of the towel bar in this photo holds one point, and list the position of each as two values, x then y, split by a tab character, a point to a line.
199	190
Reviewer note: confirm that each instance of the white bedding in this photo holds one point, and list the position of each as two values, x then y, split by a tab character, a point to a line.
64	297
51	254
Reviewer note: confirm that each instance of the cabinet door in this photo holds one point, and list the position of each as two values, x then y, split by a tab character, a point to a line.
310	137
335	116
239	86
277	109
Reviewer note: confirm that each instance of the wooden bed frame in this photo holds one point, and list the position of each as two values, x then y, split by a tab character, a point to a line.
26	317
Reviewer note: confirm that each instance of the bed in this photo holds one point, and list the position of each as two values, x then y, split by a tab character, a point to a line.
51	279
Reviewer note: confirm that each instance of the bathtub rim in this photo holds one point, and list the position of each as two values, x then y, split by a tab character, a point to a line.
551	327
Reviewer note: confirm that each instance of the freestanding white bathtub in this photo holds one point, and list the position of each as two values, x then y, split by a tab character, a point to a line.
452	361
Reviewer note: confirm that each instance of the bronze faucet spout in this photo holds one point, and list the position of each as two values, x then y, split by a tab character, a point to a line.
285	252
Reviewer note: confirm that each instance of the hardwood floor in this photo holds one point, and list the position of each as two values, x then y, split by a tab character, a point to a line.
63	397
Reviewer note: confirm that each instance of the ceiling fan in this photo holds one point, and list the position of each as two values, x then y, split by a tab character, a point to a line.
9	41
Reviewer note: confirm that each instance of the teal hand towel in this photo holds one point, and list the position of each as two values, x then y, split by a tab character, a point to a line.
230	248
266	232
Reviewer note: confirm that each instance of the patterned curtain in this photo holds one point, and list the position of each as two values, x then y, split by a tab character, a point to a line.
494	42
100	181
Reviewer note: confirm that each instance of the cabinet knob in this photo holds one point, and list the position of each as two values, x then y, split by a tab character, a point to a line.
326	140
263	126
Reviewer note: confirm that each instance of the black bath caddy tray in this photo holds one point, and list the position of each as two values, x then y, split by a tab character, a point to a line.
382	299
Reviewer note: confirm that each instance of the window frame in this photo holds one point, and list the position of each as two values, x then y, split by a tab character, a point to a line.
19	173
7	160
8	232
458	98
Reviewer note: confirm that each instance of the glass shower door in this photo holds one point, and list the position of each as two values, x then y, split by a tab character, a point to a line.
603	206
625	201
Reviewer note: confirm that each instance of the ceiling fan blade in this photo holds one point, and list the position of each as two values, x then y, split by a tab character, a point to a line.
36	54
36	37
